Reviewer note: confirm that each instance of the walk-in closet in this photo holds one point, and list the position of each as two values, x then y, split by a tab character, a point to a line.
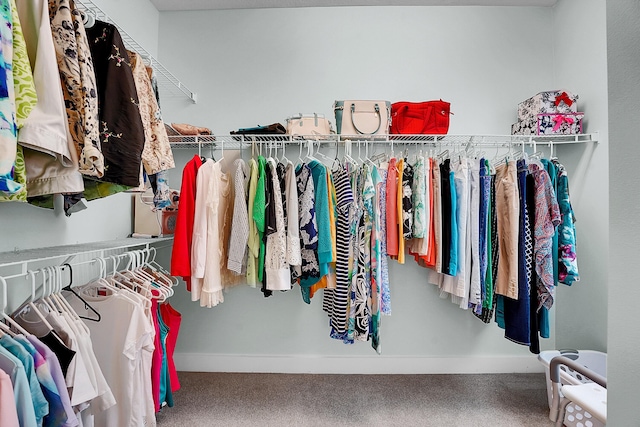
174	252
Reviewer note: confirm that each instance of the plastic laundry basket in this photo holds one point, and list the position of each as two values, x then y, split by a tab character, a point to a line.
594	360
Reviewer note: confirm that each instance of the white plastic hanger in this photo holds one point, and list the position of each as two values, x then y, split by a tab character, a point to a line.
4	327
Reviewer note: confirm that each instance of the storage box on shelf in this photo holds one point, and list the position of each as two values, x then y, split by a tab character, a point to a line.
559	111
559	123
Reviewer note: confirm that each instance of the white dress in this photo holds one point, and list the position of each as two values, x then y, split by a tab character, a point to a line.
294	256
275	263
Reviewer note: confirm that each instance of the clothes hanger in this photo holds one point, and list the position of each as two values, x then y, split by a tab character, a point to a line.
309	155
88	20
300	159
160	278
53	291
322	155
31	306
56	296
86	304
153	265
284	158
141	287
3	327
101	283
47	289
147	280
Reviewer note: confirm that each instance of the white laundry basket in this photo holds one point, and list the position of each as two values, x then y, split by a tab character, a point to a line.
594	360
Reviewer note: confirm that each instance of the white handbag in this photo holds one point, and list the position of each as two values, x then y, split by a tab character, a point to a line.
316	125
362	117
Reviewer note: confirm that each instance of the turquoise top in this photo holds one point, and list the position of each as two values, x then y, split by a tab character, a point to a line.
40	404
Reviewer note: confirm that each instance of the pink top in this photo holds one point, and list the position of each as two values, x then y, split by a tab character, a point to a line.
156	361
172	319
8	414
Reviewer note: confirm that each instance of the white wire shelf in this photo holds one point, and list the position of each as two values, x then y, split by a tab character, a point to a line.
232	142
66	252
168	84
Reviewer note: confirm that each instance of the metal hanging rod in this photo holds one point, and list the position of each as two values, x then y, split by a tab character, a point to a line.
64	254
168	83
271	141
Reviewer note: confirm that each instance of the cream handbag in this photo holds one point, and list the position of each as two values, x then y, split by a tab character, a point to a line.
362	117
309	125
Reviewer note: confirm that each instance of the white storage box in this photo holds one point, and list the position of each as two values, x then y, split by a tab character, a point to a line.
594	360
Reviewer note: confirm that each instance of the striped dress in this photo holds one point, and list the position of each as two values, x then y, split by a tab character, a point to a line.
344	237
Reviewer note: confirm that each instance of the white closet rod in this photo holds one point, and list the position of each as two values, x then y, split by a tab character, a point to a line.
22	259
273	141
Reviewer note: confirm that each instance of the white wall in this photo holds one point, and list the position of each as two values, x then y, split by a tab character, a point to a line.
259	66
623	21
581	315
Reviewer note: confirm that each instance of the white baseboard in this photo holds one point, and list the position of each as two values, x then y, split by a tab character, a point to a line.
313	364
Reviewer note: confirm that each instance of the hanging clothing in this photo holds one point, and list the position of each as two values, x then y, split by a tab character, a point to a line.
156	154
9	413
172	318
78	84
568	261
57	375
50	156
385	297
12	366
121	129
360	295
376	255
183	233
310	270
57	415
547	218
400	208
276	267
207	255
516	312
392	210
419	196
120	341
25	101
473	264
240	223
40	404
253	238
407	201
340	295
294	255
258	215
507	212
323	221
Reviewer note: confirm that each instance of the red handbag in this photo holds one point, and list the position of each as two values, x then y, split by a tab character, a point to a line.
416	118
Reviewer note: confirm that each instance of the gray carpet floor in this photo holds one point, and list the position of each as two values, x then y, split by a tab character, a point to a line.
235	399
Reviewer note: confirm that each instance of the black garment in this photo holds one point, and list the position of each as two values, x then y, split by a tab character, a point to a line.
445	209
64	354
407	201
282	170
269	220
121	130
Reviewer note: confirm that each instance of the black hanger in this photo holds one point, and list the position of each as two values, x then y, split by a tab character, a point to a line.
86	304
